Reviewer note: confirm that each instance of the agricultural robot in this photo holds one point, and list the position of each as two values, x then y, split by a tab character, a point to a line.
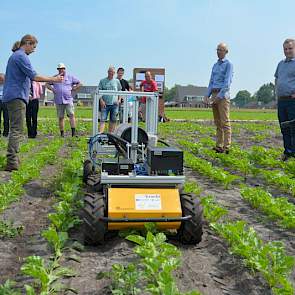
133	178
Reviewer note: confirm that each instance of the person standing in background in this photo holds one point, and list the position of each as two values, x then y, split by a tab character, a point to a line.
147	85
33	108
285	90
218	90
125	87
109	103
3	110
124	83
63	98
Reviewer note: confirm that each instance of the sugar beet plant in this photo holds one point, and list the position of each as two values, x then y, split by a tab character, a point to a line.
278	209
207	169
12	190
211	210
62	220
152	273
270	259
48	275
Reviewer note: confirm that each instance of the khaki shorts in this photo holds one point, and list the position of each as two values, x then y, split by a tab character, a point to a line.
61	108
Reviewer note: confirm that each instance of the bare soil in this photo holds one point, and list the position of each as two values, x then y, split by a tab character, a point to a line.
30	212
207	267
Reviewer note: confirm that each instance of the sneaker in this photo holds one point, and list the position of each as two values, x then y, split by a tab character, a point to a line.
218	150
226	151
5	134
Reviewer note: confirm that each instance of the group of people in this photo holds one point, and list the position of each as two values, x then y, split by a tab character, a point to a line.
109	104
21	87
218	98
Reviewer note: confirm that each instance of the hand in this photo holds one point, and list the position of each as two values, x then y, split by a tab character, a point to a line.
293	95
206	100
102	103
58	79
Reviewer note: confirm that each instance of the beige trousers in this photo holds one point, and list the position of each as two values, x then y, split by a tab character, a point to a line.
221	108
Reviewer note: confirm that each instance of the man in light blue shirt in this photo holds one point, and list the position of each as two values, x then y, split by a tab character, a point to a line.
218	97
109	104
285	89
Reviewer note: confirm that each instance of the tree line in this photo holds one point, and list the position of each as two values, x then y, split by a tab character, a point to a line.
264	95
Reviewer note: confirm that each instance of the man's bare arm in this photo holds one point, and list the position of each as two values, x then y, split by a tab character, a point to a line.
56	79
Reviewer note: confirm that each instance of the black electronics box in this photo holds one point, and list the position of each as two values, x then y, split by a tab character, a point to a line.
115	166
164	161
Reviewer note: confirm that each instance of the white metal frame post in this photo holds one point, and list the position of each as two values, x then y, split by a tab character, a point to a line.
134	131
95	114
125	110
151	115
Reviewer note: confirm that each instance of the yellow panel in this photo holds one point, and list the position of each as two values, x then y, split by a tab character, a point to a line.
143	203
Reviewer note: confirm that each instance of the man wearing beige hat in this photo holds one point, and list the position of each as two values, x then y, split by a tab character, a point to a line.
63	97
218	92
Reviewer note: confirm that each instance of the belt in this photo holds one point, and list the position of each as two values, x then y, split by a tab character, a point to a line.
286	97
216	89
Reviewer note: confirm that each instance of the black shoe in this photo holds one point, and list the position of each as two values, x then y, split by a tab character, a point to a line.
218	150
11	168
5	134
286	156
226	151
73	132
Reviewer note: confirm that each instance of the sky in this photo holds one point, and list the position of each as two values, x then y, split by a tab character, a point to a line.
178	35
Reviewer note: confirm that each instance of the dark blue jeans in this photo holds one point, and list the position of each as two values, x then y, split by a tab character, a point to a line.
286	112
3	109
32	117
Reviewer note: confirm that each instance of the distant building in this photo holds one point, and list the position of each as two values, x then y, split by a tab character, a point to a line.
190	96
85	95
252	105
271	105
